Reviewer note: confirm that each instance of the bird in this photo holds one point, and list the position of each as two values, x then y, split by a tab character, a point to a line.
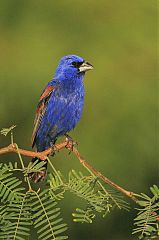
59	107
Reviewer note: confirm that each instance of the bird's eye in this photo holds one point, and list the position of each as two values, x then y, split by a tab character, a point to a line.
77	64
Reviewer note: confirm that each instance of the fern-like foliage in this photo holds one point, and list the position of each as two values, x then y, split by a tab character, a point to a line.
10	166
5	131
35	166
83	216
24	208
56	187
88	188
21	210
39	208
46	217
83	188
97	197
147	220
3	213
10	186
17	220
117	200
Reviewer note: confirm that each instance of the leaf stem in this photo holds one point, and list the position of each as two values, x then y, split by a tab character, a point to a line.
55	171
21	160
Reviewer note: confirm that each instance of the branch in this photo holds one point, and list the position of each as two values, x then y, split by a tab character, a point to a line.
66	144
42	155
70	146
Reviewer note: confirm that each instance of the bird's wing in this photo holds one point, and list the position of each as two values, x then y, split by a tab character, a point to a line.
41	108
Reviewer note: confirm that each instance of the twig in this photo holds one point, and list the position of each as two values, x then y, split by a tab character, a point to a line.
66	144
43	156
101	176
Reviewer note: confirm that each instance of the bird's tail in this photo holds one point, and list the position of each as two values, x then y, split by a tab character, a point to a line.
40	175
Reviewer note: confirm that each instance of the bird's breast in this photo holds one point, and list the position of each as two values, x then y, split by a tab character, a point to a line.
67	106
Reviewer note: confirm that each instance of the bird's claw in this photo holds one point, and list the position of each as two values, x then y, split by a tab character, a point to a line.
70	143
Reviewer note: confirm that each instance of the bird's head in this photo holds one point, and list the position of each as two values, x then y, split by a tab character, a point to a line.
72	66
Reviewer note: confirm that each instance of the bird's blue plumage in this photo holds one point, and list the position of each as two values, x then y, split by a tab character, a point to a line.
63	108
61	103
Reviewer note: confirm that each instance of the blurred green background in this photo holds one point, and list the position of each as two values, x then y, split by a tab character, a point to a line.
118	131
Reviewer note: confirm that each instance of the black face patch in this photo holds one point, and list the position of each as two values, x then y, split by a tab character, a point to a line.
77	64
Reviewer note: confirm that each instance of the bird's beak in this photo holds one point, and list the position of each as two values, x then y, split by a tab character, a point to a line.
85	66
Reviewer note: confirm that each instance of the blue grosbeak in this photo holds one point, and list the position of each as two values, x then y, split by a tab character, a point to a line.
60	105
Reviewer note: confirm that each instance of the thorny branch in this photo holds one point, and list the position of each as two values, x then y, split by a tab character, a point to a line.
70	146
66	144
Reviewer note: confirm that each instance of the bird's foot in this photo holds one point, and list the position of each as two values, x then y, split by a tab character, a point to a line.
54	149
70	143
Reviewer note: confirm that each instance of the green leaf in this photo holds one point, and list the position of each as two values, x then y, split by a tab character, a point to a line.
5	131
45	216
17	220
146	221
9	186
